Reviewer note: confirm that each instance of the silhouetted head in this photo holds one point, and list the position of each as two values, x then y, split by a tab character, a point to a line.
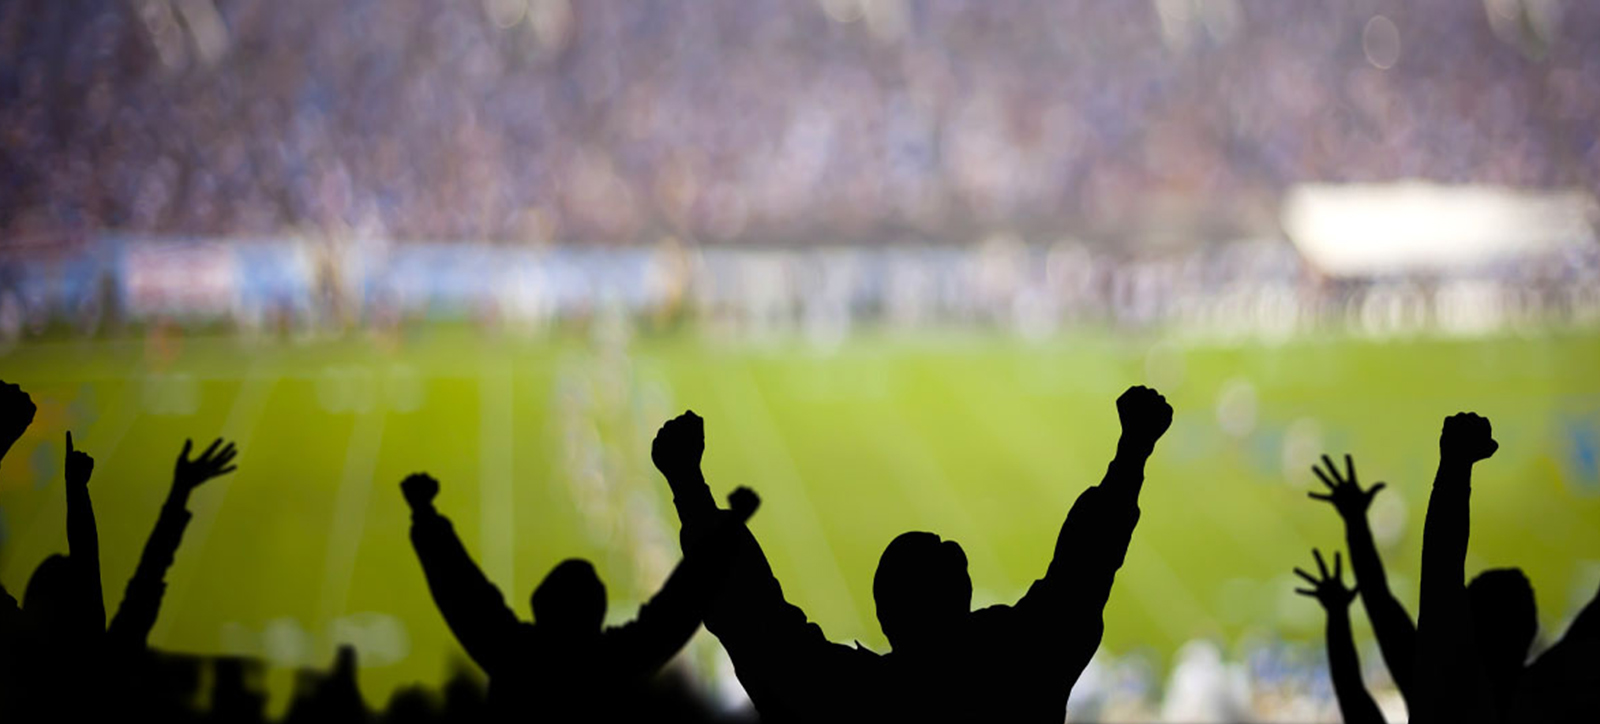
1504	619
922	589
571	599
49	592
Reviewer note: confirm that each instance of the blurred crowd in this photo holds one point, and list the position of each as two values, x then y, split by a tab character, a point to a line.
765	121
1261	289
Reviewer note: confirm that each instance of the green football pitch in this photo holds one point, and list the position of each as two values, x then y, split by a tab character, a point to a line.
542	448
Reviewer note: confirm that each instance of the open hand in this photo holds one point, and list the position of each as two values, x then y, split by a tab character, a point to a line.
419	489
79	465
679	444
1328	590
1467	438
16	414
1344	492
1145	416
214	462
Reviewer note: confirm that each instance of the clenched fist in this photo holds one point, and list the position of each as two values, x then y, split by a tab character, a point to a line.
743	502
419	489
679	444
1467	438
1145	416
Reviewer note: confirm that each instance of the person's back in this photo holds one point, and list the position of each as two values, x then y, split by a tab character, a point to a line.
565	666
565	678
947	662
1013	662
986	667
1563	683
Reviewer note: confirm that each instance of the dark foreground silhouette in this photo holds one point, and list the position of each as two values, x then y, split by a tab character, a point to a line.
1470	663
61	659
1465	660
565	666
947	662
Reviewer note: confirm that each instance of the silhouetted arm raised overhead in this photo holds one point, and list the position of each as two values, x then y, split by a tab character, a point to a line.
1095	536
141	603
83	543
16	414
773	647
1344	666
1446	670
1390	623
676	452
668	619
472	606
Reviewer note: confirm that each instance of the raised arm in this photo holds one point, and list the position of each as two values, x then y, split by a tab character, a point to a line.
83	542
676	452
1063	612
141	602
472	606
669	618
1390	623
1466	439
751	604
1445	667
1344	666
1094	538
16	414
775	650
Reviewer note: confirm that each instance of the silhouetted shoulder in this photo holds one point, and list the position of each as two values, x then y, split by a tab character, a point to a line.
992	623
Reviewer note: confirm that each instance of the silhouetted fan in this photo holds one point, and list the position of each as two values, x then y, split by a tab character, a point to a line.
1563	684
331	697
1465	660
1344	667
1390	623
61	660
236	692
1487	628
566	666
411	705
1002	663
